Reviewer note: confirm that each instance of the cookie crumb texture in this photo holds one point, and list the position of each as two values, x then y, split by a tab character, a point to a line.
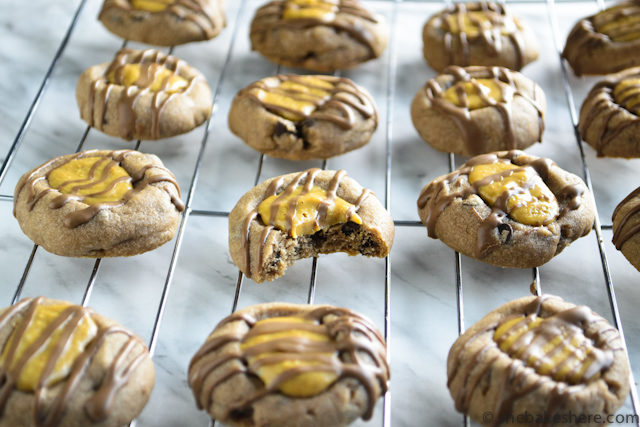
319	35
143	95
475	110
290	365
336	212
606	42
541	355
626	227
164	22
508	209
478	33
303	117
99	204
609	119
66	365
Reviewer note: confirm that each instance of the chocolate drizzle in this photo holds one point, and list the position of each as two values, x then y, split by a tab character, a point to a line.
528	353
139	179
306	179
470	130
344	98
270	17
438	195
151	61
456	44
99	405
356	342
196	11
623	228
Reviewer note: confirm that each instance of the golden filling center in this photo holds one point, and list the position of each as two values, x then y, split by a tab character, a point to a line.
621	23
521	192
92	179
294	99
39	355
627	94
476	22
152	76
478	93
151	5
292	354
299	214
323	10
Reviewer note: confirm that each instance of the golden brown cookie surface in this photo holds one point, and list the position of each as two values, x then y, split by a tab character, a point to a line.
626	227
289	365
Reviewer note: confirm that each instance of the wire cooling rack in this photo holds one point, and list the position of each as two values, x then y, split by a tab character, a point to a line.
174	296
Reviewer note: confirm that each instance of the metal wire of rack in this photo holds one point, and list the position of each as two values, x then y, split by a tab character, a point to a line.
391	68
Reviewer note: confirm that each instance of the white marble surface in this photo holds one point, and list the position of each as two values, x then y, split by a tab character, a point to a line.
424	319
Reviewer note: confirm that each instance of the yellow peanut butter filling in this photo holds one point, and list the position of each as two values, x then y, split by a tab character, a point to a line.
154	77
559	351
619	25
151	5
299	214
39	327
295	99
308	359
474	23
478	93
627	94
323	10
93	179
529	199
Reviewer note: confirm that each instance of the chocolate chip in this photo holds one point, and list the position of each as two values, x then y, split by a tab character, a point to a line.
349	228
280	129
502	227
318	238
241	413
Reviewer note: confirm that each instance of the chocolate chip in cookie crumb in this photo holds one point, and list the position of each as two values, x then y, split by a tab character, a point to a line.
505	228
349	228
280	129
241	413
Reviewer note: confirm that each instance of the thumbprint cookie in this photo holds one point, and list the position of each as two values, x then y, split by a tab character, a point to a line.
606	42
609	115
303	117
478	33
99	204
301	215
319	35
508	209
626	227
163	22
143	95
476	110
65	365
290	365
536	361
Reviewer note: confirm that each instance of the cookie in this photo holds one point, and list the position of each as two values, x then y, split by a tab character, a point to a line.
476	110
508	209
164	22
301	215
535	360
609	115
143	95
303	117
290	365
626	226
319	35
66	365
478	33
99	204
606	42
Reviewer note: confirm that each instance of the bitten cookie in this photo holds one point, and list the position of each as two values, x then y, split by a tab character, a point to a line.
606	42
508	209
476	110
164	22
65	365
303	117
99	204
143	95
626	226
609	115
320	35
478	33
301	215
290	365
537	359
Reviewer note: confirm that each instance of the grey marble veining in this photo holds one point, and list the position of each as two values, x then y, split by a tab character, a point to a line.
423	309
